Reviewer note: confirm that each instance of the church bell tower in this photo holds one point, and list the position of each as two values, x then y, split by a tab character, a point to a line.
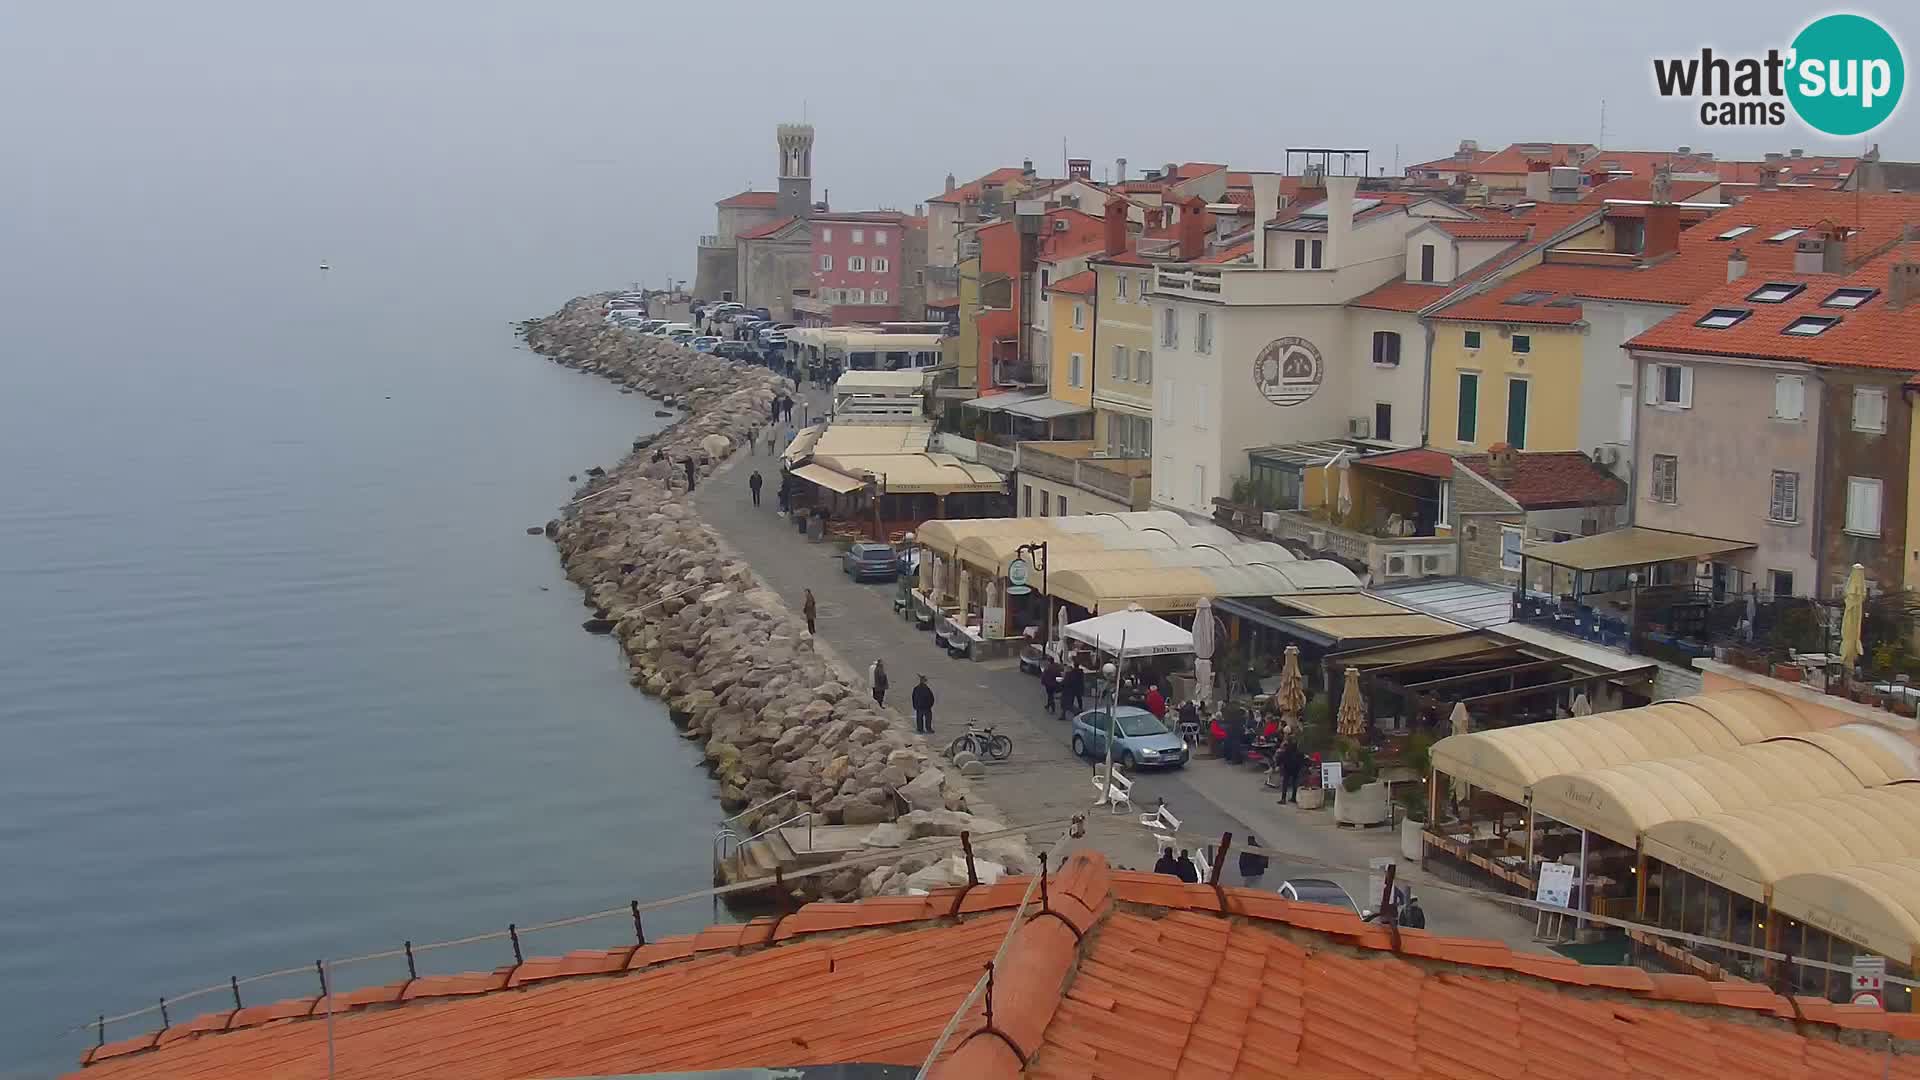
796	170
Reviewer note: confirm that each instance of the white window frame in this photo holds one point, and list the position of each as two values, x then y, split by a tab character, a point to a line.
877	296
1060	505
1857	509
1163	477
1202	405
1790	397
859	236
1783	498
1519	536
826	236
1120	287
826	262
879	263
1146	286
856	296
1203	333
1672	492
1170	328
1516	341
1875	400
1079	316
1076	370
879	238
1199	486
1122	366
856	264
1656	389
1143	365
1169	402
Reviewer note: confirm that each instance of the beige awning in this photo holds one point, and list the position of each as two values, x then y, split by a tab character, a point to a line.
1634	546
1748	850
911	474
1180	588
1508	761
1363	627
1876	905
852	438
827	478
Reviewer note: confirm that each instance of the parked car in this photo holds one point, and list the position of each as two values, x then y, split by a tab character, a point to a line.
870	562
1139	738
1316	890
681	333
765	333
763	313
734	350
704	344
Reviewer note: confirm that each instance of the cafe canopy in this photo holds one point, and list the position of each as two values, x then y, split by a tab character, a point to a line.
1131	633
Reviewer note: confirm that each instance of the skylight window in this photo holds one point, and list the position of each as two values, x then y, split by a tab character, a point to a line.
1530	296
1849	297
1736	232
1776	292
1810	325
1786	234
1722	317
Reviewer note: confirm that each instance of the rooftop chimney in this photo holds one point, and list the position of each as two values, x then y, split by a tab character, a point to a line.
1026	167
1662	232
1119	170
1266	203
1115	225
1903	284
1685	150
1500	462
1539	181
1736	265
1809	254
1193	229
1079	168
949	183
1770	176
1340	191
1797	152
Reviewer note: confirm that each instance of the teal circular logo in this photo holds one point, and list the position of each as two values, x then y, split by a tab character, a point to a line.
1847	75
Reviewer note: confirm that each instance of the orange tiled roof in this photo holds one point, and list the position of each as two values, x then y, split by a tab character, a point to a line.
1553	480
1122	974
1530	227
1420	461
1401	296
970	192
1641	187
1484	230
1872	335
1191	169
767	230
1699	266
1227	255
1514	160
1454	162
1079	284
1125	258
758	200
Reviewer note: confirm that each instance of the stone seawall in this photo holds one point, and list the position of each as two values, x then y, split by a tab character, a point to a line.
734	664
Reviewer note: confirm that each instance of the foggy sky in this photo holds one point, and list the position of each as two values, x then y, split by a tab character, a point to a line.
645	113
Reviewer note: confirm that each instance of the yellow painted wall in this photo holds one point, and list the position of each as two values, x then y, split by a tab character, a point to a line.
1121	321
1067	342
1552	371
1913	507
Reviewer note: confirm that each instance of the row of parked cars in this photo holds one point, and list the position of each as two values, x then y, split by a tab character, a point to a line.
756	328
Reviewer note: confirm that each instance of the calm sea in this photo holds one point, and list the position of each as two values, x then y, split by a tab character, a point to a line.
282	677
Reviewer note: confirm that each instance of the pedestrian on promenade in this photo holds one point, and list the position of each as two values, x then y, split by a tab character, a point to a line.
1050	682
773	411
753	486
1156	703
1252	865
753	441
689	466
1074	689
786	489
1167	864
1292	763
923	707
878	677
1185	870
811	609
772	432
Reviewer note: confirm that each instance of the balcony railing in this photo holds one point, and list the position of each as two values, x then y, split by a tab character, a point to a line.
1127	481
943	277
1040	462
996	457
1013	373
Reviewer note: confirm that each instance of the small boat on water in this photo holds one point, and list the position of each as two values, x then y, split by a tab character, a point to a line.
324	265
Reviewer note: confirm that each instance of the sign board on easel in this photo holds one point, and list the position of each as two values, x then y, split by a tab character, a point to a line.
1556	885
1329	774
1869	980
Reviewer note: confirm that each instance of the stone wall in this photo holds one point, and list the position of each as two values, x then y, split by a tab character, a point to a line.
736	667
716	272
1479	510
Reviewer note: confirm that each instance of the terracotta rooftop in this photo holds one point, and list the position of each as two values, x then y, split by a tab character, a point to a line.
1553	480
971	191
1079	284
1454	162
1419	462
1402	296
1125	258
1227	255
758	200
1699	266
1870	334
767	230
1120	975
1510	229
1531	228
1191	169
1641	187
1515	159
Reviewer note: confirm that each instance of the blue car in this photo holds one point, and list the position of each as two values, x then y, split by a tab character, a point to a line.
1141	739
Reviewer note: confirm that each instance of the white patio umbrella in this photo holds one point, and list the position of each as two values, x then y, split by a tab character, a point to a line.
1203	645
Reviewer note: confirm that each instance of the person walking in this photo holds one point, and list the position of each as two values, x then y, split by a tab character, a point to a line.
688	463
1185	870
1292	764
773	411
878	677
1050	682
1074	688
753	486
1156	703
1167	864
923	707
772	433
785	493
1252	865
811	609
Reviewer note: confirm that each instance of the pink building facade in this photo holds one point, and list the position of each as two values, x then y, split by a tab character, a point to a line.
858	265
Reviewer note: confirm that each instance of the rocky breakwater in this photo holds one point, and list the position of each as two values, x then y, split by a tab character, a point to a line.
737	669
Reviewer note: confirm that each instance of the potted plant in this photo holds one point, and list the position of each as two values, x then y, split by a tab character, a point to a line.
1413	825
1361	799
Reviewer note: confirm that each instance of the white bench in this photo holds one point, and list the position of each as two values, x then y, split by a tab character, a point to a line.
1162	818
1115	789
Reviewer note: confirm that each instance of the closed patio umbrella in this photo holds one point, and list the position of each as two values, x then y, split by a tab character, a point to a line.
1850	620
1203	645
1353	708
1290	697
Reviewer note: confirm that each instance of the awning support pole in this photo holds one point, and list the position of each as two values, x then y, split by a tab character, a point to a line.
1580	904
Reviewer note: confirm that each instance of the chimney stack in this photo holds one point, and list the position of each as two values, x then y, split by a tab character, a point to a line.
1500	462
1736	265
1079	169
1769	177
1266	204
1026	167
1903	284
1119	170
1538	178
1115	224
1193	229
1833	253
1340	191
950	185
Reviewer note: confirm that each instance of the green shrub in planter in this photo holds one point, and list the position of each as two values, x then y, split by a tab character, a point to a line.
1413	806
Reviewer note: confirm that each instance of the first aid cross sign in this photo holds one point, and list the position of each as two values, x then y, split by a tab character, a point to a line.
1869	980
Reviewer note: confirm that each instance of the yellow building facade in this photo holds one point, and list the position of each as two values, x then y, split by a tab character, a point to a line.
1516	383
1072	304
1122	390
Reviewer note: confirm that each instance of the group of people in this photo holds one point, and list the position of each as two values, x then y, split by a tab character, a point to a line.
921	698
1066	687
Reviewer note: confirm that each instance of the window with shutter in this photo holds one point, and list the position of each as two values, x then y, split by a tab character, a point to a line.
1143	365
1202	403
1510	547
1170	329
1120	355
1666	478
1469	419
1869	409
1789	397
1670	385
1863	505
1386	348
1784	505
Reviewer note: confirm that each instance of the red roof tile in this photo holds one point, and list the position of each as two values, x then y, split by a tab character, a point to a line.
1483	230
1641	187
757	200
971	191
769	229
1872	335
1148	982
1548	480
1227	255
1080	284
1420	462
1401	296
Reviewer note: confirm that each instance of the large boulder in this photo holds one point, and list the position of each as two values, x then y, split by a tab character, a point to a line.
943	822
923	792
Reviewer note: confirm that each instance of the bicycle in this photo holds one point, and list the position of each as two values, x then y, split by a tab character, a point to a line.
981	743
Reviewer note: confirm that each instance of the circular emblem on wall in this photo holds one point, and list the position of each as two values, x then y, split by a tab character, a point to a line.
1288	370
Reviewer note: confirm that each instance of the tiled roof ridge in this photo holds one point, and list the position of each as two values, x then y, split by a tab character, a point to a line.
1040	966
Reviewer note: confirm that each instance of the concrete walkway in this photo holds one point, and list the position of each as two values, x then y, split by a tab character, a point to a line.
1044	779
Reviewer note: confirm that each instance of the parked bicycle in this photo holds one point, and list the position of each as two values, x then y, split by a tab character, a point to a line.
981	743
